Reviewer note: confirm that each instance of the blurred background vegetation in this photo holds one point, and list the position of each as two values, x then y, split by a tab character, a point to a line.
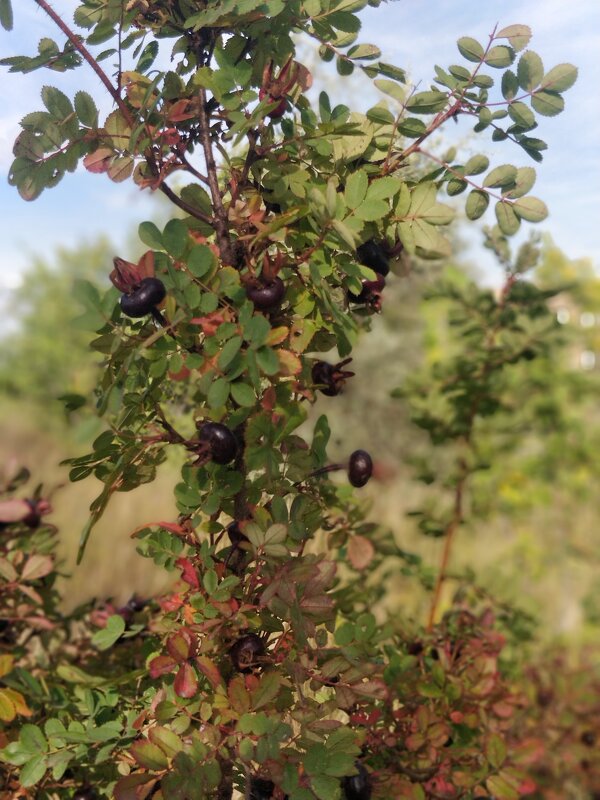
532	536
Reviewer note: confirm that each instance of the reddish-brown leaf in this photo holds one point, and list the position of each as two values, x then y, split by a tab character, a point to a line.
36	567
360	552
210	670
14	510
98	161
186	682
134	787
188	572
181	645
161	665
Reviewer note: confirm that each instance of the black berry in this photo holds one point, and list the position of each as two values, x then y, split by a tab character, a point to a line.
588	738
358	787
142	300
135	604
372	255
221	441
360	468
370	294
330	378
247	652
268	296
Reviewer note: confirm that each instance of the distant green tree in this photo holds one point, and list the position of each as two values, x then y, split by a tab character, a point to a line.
46	356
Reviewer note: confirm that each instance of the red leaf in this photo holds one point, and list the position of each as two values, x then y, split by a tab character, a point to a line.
171	603
181	645
188	572
210	670
186	683
161	665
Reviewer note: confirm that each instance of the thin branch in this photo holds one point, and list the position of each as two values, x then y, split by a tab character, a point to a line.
443	116
191	168
450	531
220	222
85	53
191	210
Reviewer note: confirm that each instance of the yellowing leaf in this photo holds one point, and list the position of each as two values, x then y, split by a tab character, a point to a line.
6	665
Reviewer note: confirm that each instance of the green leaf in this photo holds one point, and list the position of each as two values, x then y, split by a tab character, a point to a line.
501	788
364	51
57	103
476	165
524	182
412	127
372	210
149	755
518	35
531	209
6	15
267	360
343	66
427	102
477	203
391	88
325	788
521	114
560	78
530	71
344	232
150	235
504	175
356	189
384	188
510	85
86	109
106	637
548	104
201	260
218	393
267	690
391	71
438	214
456	186
169	742
470	48
381	115
32	739
508	221
230	350
243	394
500	56
495	751
33	771
175	237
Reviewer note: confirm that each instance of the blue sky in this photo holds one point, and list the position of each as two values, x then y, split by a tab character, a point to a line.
412	34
